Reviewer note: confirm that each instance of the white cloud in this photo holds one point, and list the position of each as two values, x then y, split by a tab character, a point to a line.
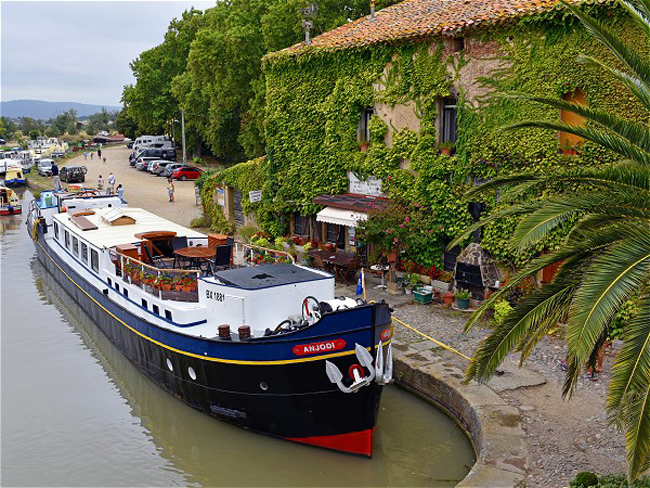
79	51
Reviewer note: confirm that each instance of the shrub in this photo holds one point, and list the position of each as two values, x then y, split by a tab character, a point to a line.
199	222
247	232
584	479
501	309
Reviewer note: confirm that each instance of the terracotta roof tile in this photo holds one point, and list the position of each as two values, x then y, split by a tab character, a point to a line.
419	18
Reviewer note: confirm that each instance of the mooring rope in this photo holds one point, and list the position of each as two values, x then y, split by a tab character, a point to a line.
441	344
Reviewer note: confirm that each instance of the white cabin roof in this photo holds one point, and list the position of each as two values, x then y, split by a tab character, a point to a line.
107	235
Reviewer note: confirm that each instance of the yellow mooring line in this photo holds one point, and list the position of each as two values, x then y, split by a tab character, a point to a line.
444	346
441	344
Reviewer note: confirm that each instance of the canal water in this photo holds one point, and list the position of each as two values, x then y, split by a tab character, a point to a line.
75	412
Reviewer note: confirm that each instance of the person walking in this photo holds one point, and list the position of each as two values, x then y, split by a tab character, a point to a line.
99	153
120	192
100	183
91	155
170	189
111	183
56	182
104	159
85	154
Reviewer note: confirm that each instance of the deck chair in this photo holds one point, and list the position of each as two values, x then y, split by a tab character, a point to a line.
156	261
221	258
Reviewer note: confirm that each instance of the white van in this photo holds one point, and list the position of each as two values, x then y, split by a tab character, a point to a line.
143	141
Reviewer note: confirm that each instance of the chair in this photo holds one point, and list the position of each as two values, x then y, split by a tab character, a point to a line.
349	273
179	242
156	261
221	258
318	262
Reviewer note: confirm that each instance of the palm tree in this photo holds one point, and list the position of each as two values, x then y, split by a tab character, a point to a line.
605	258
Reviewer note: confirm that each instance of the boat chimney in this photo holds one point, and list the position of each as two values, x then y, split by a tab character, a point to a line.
244	332
224	332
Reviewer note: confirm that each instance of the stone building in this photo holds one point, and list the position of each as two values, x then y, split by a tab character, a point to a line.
364	110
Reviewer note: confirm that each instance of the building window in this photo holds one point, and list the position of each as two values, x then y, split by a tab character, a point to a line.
56	230
84	252
75	246
94	260
336	235
67	239
300	225
364	130
569	143
448	120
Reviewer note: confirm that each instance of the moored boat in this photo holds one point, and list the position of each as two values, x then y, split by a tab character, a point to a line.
14	176
268	348
9	202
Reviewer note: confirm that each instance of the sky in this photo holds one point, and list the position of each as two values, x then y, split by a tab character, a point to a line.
78	51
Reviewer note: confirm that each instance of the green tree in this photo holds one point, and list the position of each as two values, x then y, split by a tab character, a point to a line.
8	128
606	256
66	122
125	124
33	134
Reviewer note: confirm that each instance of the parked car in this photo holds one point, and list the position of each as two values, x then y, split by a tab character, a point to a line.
73	174
186	173
45	167
164	153
170	168
2	141
158	166
141	164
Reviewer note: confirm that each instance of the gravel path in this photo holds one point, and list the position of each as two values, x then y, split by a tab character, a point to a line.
141	189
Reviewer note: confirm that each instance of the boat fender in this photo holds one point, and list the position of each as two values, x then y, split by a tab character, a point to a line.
360	301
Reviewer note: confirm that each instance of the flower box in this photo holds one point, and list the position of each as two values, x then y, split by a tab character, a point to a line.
422	296
441	285
425	279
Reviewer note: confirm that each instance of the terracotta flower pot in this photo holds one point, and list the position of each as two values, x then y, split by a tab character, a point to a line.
166	286
363	146
448	299
391	256
446	152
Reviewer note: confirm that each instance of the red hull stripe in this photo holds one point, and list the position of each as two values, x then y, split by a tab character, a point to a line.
353	442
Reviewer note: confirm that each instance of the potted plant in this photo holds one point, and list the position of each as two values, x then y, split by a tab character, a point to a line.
444	281
446	148
462	299
364	145
166	283
448	299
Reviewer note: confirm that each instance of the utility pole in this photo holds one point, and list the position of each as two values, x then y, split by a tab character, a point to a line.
183	131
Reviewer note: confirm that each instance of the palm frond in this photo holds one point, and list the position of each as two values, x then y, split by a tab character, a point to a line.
632	131
604	138
640	14
629	58
612	278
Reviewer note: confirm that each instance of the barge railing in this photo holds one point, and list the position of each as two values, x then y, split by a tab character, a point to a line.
165	283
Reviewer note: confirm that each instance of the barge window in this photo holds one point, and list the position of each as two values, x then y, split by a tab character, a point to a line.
94	260
168	315
110	283
156	310
56	230
145	304
125	292
117	287
75	246
67	239
84	252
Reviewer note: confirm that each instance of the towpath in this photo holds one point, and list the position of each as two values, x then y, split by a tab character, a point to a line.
141	189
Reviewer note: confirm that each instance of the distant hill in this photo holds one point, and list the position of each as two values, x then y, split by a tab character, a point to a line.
38	109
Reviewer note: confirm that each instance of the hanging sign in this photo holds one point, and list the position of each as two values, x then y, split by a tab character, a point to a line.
352	235
369	186
255	196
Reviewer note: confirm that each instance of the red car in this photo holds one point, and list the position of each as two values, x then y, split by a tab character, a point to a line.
186	173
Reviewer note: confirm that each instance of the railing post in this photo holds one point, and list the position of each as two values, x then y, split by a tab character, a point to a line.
159	286
142	276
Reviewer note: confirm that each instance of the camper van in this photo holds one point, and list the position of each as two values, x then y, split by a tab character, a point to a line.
143	141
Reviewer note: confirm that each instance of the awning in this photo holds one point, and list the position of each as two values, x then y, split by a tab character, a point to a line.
339	216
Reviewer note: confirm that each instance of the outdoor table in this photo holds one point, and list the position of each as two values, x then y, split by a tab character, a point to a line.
337	259
383	268
194	253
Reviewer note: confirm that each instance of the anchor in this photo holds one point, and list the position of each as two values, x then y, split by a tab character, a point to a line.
365	359
384	372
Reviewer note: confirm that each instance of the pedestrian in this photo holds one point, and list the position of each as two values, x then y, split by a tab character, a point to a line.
85	154
99	153
111	183
56	182
104	159
120	192
100	183
91	155
170	189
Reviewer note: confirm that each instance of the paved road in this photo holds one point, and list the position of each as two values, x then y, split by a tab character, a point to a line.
142	189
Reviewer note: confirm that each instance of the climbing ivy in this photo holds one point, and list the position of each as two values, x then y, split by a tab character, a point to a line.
315	97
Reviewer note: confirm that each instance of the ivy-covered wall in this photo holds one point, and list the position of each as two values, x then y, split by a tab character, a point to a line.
314	100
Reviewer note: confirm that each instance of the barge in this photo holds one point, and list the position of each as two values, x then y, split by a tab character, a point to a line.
267	347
